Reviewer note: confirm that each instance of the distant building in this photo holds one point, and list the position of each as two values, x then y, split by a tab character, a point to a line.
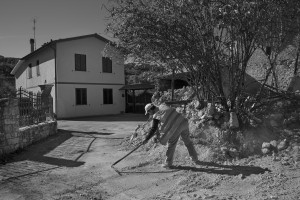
85	83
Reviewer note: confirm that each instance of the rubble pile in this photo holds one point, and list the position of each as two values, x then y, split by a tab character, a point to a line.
287	150
218	130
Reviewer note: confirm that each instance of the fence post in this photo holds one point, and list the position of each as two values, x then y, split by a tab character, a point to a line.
51	107
38	107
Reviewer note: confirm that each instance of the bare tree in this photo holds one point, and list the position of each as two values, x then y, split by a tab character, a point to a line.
211	39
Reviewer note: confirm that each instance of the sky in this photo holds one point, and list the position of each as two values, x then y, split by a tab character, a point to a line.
55	19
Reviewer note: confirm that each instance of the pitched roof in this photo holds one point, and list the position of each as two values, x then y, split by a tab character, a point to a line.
52	43
49	44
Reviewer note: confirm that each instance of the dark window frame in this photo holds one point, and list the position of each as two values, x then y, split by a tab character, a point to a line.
80	96
108	96
29	70
80	62
38	73
106	65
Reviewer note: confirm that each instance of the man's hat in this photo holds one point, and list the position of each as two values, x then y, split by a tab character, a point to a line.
148	107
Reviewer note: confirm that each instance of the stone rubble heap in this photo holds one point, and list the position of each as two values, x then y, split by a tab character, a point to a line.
211	126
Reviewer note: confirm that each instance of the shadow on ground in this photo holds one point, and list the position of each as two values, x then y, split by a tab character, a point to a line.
92	134
37	151
113	118
231	170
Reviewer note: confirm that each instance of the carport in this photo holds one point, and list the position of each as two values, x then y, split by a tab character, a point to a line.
137	96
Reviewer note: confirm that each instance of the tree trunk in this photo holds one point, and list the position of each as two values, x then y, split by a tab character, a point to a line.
296	63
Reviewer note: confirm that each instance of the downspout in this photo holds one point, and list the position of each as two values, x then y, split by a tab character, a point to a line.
55	76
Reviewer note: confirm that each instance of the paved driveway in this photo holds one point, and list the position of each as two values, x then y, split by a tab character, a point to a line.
109	126
80	145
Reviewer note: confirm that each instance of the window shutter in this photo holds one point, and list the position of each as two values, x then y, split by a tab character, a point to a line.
30	70
77	62
107	96
110	96
81	96
103	64
84	97
77	96
104	96
83	62
38	68
110	64
107	64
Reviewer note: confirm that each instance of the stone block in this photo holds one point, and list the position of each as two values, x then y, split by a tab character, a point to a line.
10	121
266	145
13	141
282	145
265	150
8	129
274	143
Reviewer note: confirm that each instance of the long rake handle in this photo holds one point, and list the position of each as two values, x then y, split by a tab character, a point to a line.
128	154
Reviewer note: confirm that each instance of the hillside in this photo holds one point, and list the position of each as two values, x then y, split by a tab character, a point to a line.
7	81
284	70
6	65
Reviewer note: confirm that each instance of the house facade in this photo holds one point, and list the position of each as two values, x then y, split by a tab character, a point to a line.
85	82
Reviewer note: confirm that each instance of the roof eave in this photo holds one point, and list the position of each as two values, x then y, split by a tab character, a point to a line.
21	61
17	66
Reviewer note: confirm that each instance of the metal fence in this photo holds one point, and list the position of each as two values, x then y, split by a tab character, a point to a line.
33	108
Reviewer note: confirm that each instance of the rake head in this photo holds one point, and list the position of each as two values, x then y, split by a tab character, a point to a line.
116	170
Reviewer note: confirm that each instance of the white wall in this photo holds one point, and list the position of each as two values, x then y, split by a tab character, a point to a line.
47	72
93	79
68	79
92	48
67	107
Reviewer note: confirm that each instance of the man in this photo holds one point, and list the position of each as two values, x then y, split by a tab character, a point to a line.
172	126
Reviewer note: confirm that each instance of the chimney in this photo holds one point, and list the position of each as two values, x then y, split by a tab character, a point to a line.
31	45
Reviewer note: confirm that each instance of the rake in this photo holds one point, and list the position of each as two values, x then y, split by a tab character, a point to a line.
113	165
138	146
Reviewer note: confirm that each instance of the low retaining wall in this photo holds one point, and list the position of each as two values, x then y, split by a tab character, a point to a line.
12	137
34	133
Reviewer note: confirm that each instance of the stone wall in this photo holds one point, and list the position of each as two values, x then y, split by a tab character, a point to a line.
12	137
34	133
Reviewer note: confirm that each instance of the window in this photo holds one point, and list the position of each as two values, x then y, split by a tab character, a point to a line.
30	70
80	62
38	68
107	96
81	96
106	65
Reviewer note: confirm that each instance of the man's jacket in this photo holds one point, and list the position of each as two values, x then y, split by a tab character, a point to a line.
169	122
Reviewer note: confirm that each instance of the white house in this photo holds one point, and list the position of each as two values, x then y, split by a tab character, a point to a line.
85	83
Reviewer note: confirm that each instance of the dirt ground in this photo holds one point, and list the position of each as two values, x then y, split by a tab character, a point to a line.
76	164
